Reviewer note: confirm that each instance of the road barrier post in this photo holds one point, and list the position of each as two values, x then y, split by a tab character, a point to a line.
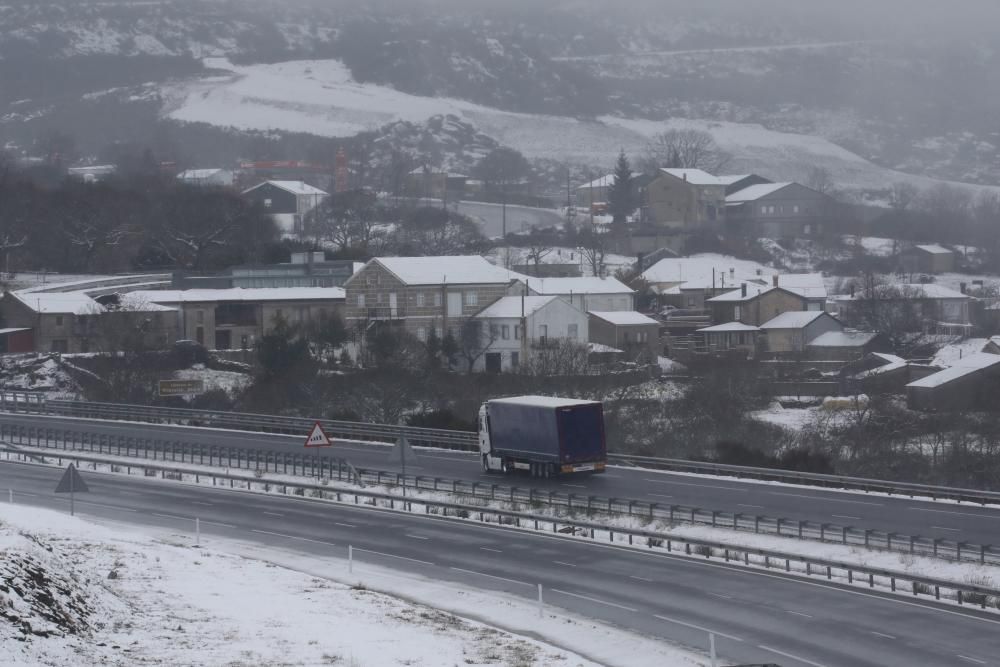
350	559
711	649
197	532
541	603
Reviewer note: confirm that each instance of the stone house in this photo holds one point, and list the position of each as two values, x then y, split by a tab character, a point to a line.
778	210
287	202
931	259
730	337
791	331
755	304
633	333
234	319
421	294
688	199
587	294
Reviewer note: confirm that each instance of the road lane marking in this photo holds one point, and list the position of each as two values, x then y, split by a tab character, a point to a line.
978	516
791	656
559	562
345	525
632	576
720	595
496	551
493	576
218	523
881	634
417	537
844	516
596	600
697	627
293	537
198	502
760	507
172	516
975	660
659	495
705	486
954	530
826	500
797	613
272	514
90	502
380	553
25	493
575	486
609	476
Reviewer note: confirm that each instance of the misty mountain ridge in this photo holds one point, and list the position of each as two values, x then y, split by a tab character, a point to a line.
926	108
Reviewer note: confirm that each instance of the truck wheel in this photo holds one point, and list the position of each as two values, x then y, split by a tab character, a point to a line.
504	467
486	467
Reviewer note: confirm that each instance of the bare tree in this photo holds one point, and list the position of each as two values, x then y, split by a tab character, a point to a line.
537	251
474	339
594	246
684	149
557	357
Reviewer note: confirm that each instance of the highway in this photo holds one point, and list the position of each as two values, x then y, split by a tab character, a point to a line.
900	515
758	617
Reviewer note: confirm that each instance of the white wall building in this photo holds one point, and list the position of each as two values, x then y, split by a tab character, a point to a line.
516	328
601	294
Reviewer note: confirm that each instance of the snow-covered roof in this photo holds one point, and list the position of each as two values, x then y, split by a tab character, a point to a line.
809	285
699	271
601	348
602	182
508	307
694	176
10	330
964	366
906	291
729	326
729	179
935	249
60	303
237	294
793	319
542	401
888	368
890	358
843	339
582	285
753	291
624	317
198	174
420	171
447	270
295	187
755	192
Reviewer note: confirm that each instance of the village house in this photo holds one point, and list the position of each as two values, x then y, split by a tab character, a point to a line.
234	319
755	304
928	259
970	383
688	199
845	346
686	282
637	335
432	183
287	202
791	331
593	196
515	330
421	294
778	210
915	306
728	338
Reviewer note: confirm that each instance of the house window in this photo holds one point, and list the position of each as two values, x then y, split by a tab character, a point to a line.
690	302
437	299
572	331
543	332
494	331
505	332
421	334
795	209
515	359
361	301
472	298
737	313
420	299
59	320
517	332
267	203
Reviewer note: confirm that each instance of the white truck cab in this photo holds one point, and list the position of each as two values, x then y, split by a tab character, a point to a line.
490	462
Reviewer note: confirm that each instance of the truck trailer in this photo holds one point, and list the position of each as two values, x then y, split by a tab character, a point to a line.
543	435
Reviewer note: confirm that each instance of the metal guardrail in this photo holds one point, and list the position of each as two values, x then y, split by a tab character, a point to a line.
963	593
331	467
458	440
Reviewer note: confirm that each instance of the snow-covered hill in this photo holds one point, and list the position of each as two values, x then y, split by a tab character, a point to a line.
321	97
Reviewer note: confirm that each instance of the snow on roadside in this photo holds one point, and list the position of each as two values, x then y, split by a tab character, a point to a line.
230	382
168	602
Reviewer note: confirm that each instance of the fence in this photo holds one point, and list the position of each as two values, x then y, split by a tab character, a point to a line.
665	543
329	467
458	440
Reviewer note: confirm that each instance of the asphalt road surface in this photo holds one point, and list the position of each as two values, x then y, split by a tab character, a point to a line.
906	516
757	617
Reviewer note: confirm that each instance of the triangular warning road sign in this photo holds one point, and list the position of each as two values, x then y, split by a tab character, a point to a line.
402	453
317	438
71	482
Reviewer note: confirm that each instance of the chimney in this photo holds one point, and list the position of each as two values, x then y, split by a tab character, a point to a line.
743	290
774	279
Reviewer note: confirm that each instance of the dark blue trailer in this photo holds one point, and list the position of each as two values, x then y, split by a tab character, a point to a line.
543	435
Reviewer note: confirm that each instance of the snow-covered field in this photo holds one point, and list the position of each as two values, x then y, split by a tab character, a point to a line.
321	97
74	592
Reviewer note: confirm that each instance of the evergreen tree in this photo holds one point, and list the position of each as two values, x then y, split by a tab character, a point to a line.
621	194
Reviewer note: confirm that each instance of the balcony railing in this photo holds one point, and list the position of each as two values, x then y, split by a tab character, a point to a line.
386	313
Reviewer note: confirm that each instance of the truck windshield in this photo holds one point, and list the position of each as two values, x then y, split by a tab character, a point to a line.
582	431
